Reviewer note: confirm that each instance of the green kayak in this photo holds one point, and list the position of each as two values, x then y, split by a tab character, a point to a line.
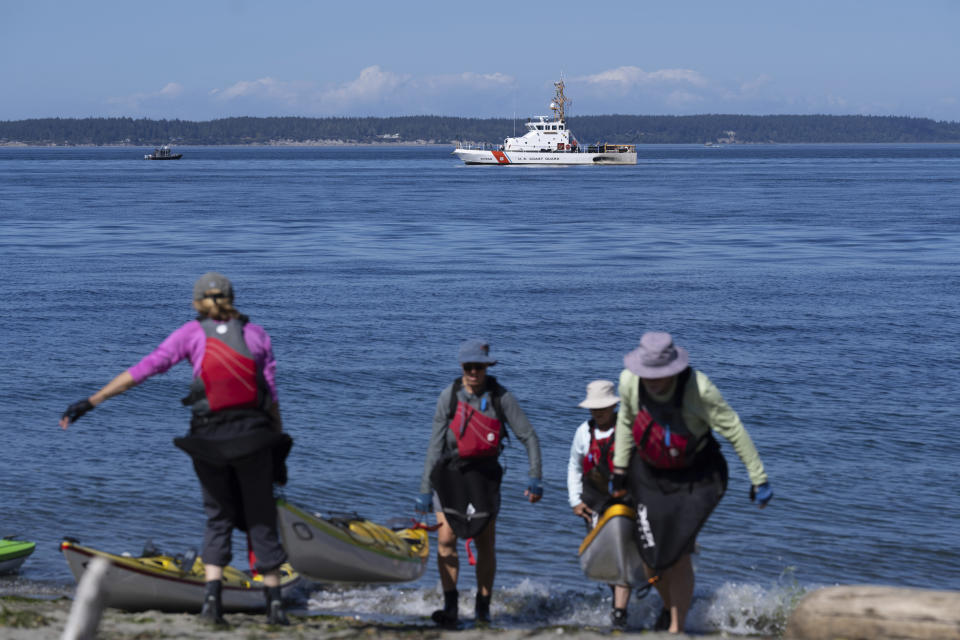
13	553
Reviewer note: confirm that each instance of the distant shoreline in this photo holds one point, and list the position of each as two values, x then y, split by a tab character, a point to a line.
319	145
278	145
711	129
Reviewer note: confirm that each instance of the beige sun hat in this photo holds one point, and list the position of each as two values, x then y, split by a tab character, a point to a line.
600	395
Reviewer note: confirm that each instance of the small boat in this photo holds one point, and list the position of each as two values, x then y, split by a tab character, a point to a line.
610	553
163	153
169	583
13	553
549	141
350	549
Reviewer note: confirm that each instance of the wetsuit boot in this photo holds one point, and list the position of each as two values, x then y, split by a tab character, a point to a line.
482	608
275	613
447	617
618	618
662	623
212	611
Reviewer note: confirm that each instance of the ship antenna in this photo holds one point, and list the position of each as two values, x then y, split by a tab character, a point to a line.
560	101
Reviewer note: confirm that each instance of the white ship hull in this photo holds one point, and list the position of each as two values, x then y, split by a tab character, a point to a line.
481	156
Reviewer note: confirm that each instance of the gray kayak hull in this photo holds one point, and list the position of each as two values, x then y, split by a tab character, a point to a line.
610	553
350	550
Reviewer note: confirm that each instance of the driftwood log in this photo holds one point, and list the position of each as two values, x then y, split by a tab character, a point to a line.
875	613
87	603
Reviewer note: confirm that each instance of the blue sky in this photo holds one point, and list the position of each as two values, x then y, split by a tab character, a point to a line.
208	59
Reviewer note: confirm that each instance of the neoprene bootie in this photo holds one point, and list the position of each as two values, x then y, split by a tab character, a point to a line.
212	611
482	609
275	612
662	623
447	617
618	618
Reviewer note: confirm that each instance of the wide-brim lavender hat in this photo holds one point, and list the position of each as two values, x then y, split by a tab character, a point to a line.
657	356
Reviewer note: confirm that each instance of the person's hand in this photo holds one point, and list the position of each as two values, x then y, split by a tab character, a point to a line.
424	503
584	511
762	493
74	411
618	484
534	490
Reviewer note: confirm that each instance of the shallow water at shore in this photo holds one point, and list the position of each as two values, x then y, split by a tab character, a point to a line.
812	283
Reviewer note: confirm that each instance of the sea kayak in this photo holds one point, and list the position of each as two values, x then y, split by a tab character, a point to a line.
13	553
168	583
350	549
610	553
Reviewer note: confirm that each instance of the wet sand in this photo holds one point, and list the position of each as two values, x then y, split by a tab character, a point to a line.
33	619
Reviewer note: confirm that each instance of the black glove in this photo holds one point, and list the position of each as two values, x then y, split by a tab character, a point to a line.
618	485
77	409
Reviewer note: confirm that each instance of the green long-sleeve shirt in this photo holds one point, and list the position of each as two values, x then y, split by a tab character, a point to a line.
703	409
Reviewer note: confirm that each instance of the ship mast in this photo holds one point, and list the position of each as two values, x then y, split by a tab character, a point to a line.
559	103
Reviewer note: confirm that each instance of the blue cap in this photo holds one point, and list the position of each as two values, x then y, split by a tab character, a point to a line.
475	350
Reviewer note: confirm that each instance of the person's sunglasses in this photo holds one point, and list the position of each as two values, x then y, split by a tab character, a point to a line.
474	366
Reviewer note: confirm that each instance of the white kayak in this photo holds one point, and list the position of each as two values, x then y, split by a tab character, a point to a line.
163	582
350	549
609	553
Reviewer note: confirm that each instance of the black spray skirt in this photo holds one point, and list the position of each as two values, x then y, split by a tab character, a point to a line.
673	504
469	493
236	435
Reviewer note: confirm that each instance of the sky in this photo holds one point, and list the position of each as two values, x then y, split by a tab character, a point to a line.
208	59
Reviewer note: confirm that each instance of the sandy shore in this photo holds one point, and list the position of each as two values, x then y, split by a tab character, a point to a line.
32	619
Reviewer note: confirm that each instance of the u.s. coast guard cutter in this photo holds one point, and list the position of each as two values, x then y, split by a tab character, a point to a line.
549	141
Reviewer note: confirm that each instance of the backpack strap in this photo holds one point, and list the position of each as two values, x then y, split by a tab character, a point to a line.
493	388
452	409
496	392
605	448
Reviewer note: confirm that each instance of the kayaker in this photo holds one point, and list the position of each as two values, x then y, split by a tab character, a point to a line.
461	474
235	439
666	453
589	470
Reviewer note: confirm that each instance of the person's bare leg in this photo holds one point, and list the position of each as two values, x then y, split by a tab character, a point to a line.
212	572
271	578
659	585
486	559
448	562
621	596
678	582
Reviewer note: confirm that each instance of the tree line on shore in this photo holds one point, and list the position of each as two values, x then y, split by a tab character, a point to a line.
622	129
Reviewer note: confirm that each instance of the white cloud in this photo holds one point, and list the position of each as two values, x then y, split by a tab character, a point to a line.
750	86
683	99
263	88
373	84
469	79
628	77
135	101
374	91
171	90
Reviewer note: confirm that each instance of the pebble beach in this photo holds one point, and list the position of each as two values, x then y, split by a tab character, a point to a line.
44	619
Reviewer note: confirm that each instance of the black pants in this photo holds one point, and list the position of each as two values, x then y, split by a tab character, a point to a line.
239	495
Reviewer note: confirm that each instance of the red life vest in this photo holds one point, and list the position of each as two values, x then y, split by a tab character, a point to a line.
660	432
229	377
598	451
478	435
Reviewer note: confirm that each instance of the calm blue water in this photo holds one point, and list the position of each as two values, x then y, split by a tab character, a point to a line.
816	285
